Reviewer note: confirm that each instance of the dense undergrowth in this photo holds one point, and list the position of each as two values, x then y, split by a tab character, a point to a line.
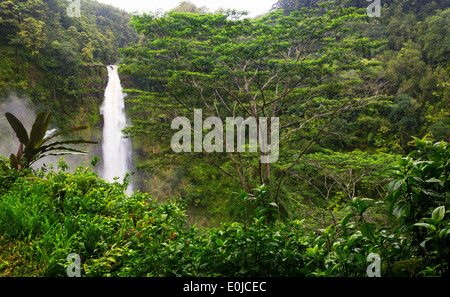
49	214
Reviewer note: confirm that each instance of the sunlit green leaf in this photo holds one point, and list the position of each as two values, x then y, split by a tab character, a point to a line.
438	214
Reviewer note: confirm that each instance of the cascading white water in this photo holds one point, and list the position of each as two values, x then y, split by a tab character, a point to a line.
116	149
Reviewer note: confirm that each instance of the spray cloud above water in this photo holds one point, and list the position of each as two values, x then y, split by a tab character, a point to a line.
23	110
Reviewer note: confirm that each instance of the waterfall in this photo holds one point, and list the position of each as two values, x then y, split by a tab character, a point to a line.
116	149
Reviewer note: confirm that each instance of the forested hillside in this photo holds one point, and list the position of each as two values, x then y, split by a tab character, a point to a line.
404	88
50	57
357	111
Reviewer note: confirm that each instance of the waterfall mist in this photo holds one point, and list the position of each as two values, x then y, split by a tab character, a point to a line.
116	149
23	109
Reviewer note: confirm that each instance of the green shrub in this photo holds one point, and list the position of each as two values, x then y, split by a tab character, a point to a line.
54	214
419	199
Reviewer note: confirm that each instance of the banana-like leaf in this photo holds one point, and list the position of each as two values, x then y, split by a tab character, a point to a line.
39	129
52	146
57	154
18	127
65	153
72	141
68	151
64	132
61	148
34	144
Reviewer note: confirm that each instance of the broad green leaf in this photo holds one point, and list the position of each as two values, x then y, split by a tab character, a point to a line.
431	193
39	129
219	241
430	221
435	180
394	185
367	230
422	225
18	127
424	243
404	161
438	214
428	226
345	220
444	233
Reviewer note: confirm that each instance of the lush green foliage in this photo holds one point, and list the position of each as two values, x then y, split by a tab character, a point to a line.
53	59
52	214
348	193
420	198
297	68
179	66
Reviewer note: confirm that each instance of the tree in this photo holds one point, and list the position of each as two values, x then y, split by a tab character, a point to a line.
407	68
330	180
289	6
189	7
31	35
9	20
435	37
275	67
